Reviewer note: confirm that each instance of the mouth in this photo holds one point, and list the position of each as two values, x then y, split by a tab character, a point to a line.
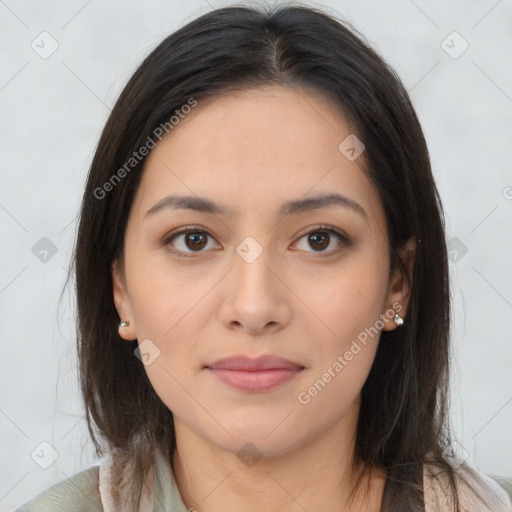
254	375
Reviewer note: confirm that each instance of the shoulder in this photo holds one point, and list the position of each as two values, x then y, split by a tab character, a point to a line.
477	492
79	493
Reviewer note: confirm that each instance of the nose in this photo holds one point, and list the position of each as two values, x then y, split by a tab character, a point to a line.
255	298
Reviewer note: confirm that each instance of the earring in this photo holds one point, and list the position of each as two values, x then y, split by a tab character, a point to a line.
124	324
398	319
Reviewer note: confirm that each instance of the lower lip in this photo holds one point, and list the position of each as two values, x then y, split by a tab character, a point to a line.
257	380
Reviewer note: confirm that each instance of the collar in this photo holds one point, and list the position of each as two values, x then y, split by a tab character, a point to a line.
163	494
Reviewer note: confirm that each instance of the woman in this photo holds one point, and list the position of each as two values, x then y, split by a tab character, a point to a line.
262	283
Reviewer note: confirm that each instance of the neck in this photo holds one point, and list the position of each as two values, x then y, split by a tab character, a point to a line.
318	475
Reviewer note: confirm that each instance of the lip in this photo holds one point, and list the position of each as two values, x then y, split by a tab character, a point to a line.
250	364
259	374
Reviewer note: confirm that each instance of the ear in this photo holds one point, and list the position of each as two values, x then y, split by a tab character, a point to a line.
122	302
399	290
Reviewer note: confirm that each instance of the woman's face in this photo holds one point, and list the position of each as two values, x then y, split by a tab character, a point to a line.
250	281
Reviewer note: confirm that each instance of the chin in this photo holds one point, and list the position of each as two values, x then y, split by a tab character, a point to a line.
257	443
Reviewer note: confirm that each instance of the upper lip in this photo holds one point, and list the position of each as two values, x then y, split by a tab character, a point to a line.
246	363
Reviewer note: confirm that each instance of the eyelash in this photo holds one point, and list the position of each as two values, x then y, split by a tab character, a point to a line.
344	241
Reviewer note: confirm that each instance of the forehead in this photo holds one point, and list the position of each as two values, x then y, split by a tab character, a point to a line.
257	149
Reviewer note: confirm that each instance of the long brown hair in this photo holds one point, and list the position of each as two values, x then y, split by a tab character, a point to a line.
403	423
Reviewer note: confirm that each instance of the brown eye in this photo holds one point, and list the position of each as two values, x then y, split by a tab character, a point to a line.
188	241
321	238
196	240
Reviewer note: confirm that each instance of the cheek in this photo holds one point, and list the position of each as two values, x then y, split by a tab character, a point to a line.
343	357
165	297
347	300
171	310
345	329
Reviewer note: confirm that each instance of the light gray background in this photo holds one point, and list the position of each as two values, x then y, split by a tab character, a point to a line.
54	108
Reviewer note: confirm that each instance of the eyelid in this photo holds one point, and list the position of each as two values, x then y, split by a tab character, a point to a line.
343	238
323	227
183	231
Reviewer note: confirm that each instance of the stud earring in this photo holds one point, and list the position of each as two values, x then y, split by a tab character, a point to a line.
398	319
124	324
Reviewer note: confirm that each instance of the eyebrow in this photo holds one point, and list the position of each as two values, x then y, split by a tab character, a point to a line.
205	205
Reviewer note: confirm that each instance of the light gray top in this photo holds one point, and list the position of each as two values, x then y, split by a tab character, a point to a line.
89	491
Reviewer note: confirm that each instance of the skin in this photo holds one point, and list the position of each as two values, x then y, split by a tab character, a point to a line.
253	150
